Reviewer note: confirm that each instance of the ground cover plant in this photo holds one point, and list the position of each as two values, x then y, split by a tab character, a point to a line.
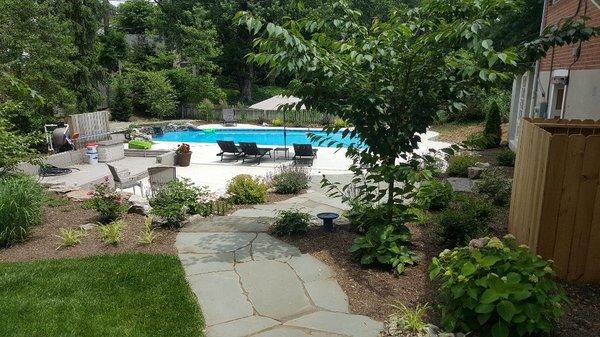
495	185
458	165
288	179
496	288
244	189
506	157
21	201
113	295
291	223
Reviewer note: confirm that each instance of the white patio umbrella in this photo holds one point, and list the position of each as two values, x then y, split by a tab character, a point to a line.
273	104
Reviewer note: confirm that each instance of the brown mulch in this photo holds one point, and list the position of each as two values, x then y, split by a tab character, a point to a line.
459	132
43	243
271	198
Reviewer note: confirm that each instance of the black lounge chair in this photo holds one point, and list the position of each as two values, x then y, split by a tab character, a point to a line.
228	147
304	151
250	149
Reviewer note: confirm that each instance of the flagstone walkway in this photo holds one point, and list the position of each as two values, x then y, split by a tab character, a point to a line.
249	283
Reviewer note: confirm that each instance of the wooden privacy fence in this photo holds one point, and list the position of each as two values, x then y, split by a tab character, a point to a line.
300	117
90	126
555	206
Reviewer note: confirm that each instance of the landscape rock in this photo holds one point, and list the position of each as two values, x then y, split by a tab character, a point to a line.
88	226
475	172
139	205
80	195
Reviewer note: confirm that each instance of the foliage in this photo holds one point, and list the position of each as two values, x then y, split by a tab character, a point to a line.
277	122
385	245
14	148
339	123
506	157
244	189
363	215
70	237
289	179
493	125
152	94
495	185
261	93
496	288
53	200
183	148
433	194
23	119
191	88
291	223
112	232
121	108
21	201
465	221
478	103
148	235
136	16
480	141
113	49
206	109
458	165
67	296
420	217
109	204
175	201
409	320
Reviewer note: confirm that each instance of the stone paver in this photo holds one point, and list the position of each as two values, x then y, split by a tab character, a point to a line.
206	263
273	288
221	297
249	283
344	324
206	243
285	331
327	294
241	327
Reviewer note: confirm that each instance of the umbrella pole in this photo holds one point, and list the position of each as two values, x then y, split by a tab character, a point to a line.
284	135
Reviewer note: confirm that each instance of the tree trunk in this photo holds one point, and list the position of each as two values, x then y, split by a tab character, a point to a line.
246	92
390	201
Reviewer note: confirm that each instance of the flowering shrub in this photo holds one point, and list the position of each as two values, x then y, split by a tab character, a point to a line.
109	204
289	179
496	288
177	200
183	148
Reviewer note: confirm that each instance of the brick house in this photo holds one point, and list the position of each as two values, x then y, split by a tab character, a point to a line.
566	83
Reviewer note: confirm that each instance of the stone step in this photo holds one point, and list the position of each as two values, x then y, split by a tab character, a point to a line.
242	224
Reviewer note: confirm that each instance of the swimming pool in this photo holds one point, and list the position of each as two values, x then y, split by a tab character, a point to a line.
259	136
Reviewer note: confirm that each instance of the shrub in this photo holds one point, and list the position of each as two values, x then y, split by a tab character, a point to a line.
70	237
14	148
339	123
465	221
175	201
277	122
506	158
495	185
152	94
493	125
458	165
496	288
205	110
291	223
433	194
385	244
21	201
244	189
121	108
107	202
363	216
112	233
480	141
289	179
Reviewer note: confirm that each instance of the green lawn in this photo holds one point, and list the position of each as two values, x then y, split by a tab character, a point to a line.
116	295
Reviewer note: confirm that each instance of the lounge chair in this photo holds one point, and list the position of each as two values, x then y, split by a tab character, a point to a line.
160	176
250	149
229	117
124	179
304	151
228	147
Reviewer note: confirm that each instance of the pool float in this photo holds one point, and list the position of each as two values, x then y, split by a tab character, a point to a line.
209	130
140	144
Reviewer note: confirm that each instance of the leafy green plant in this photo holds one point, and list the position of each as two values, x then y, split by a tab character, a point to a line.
339	123
291	223
109	204
121	107
420	216
406	319
433	194
466	220
148	235
495	185
70	237
288	179
385	245
176	200
506	157
493	125
112	233
363	215
496	288
21	201
480	141
243	189
205	110
14	148
277	122
458	165
53	200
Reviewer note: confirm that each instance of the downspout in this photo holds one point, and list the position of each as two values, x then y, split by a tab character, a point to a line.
536	75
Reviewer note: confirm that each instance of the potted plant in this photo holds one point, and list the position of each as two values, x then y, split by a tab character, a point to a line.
184	155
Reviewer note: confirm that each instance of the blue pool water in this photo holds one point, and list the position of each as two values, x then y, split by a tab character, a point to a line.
259	136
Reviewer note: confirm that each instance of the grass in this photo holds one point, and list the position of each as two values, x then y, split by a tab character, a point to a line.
112	295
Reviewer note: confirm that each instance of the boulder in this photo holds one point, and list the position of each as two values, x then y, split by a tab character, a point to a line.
80	195
475	172
139	205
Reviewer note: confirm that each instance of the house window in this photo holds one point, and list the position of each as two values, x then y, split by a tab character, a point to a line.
560	92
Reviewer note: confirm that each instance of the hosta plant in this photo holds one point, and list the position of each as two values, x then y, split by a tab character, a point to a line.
496	288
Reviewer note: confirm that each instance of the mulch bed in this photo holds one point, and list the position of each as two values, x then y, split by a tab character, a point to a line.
43	243
372	291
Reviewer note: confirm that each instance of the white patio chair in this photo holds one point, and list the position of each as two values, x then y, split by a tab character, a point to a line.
123	179
159	176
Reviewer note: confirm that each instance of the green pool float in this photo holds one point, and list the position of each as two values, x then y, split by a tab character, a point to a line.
140	144
209	130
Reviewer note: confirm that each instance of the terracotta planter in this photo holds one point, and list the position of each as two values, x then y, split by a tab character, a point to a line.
183	159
